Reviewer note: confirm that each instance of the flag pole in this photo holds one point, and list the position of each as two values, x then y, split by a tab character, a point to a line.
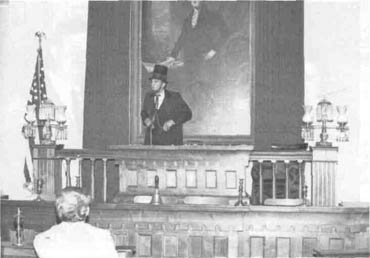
39	35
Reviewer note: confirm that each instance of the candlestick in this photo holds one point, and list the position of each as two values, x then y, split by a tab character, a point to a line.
18	225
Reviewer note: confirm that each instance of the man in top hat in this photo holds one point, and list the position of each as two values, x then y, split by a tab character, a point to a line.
164	112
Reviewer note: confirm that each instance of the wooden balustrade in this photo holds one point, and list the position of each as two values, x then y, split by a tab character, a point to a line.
194	170
207	170
265	169
68	172
208	229
80	157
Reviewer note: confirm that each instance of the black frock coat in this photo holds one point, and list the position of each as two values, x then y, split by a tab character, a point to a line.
173	108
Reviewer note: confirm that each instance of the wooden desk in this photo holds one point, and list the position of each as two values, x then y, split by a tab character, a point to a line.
9	250
186	230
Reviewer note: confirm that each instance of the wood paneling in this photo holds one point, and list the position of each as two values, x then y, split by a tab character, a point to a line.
308	244
145	245
221	246
283	247
195	246
336	243
170	246
324	173
181	171
47	169
211	231
257	246
171	178
191	178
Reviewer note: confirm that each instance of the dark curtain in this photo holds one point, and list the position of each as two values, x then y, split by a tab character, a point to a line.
106	107
279	73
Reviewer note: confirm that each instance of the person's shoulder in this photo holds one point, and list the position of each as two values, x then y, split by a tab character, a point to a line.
50	231
173	94
97	230
39	237
99	233
47	235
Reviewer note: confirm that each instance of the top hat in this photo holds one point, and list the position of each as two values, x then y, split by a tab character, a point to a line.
159	72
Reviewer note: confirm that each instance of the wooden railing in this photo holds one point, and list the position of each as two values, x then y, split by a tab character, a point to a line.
183	170
87	169
193	170
265	168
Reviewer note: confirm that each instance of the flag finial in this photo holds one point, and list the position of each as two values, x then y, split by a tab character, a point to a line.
40	35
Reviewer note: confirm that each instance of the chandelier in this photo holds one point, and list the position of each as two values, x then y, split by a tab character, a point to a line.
51	124
327	122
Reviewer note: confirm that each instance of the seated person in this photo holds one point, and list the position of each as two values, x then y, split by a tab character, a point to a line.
73	237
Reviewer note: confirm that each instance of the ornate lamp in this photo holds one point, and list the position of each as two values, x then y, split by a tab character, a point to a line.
324	116
42	116
29	129
45	125
307	128
60	118
342	121
51	122
50	126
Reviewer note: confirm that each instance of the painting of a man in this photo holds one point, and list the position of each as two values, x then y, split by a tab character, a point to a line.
202	34
206	46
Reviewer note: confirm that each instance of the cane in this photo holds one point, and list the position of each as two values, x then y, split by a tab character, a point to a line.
152	127
151	135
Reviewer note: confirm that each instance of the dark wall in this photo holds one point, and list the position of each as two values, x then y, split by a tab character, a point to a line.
106	108
279	74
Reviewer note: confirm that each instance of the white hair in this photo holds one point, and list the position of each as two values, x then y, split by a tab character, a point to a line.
72	205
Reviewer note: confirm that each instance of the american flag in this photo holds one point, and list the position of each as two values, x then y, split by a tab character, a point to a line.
38	87
37	95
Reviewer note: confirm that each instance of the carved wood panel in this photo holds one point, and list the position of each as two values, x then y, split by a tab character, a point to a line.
210	232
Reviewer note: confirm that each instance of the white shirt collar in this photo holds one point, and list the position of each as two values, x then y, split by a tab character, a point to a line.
160	98
160	94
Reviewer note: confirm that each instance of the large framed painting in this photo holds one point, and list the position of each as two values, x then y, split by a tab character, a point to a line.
213	71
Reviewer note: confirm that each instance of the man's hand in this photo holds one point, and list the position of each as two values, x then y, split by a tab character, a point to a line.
148	122
167	125
169	62
210	54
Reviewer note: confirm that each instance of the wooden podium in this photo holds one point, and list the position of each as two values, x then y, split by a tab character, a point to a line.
47	168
